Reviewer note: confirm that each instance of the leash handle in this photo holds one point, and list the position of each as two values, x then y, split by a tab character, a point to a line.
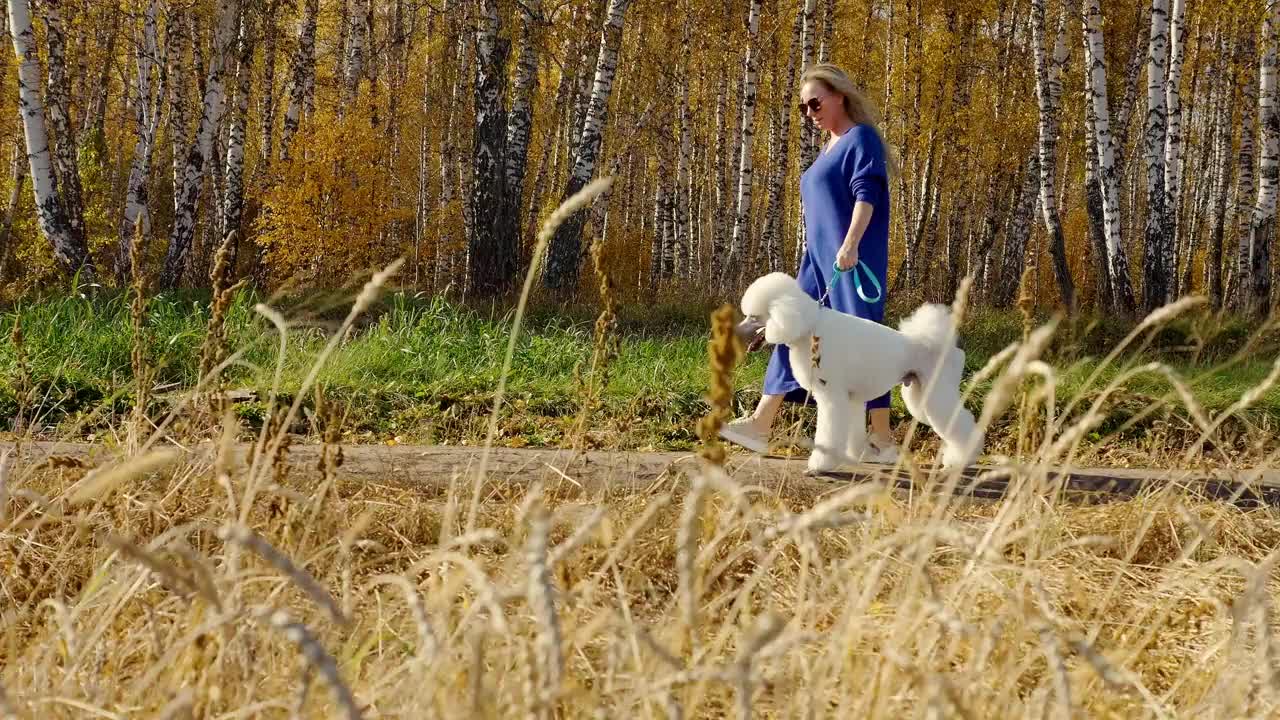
857	281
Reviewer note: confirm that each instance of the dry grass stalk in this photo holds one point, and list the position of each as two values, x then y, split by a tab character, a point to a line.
99	483
429	645
368	294
605	347
143	370
579	536
180	706
213	350
5	466
768	627
319	659
22	386
541	597
687	534
170	575
578	201
241	535
723	352
6	706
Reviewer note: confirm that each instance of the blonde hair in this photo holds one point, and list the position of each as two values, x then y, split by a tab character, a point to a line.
861	109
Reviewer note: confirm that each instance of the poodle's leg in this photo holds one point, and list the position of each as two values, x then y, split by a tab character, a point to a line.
947	415
831	438
913	398
857	442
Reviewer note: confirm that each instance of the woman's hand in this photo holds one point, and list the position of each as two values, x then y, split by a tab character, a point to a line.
847	257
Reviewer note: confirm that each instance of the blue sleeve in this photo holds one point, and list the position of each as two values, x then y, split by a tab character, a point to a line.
863	164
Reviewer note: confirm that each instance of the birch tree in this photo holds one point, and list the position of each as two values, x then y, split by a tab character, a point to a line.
1237	286
1224	122
808	132
1158	247
1262	229
1048	93
69	249
267	98
742	218
1015	244
772	234
564	253
1173	138
520	121
58	107
188	193
302	74
1104	150
357	24
233	198
492	251
149	84
684	237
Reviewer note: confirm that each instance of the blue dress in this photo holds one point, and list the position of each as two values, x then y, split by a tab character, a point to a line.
854	169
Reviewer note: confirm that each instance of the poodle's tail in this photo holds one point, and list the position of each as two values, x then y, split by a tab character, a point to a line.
933	396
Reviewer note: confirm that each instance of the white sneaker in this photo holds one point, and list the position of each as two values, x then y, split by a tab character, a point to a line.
741	433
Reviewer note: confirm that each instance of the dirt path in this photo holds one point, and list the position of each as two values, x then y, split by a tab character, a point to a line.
595	472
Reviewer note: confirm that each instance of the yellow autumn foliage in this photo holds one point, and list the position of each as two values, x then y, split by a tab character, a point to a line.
330	212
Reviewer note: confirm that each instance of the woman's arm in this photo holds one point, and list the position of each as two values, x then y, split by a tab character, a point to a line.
847	257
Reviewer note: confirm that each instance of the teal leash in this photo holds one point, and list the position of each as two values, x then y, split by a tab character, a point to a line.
857	282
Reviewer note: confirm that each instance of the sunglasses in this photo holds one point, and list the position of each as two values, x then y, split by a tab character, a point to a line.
813	106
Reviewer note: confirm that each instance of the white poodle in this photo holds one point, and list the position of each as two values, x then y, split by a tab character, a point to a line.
844	361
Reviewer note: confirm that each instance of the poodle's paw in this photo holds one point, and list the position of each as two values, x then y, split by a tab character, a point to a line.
821	461
955	456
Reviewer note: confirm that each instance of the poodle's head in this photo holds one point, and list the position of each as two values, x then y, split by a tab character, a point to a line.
787	312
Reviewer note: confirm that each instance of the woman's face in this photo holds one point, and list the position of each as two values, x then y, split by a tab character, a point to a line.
830	105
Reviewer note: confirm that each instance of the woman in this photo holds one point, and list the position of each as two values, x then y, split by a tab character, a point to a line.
845	196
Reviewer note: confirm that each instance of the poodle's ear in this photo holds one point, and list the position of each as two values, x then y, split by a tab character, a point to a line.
789	319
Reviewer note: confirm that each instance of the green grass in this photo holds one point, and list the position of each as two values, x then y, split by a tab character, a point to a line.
424	369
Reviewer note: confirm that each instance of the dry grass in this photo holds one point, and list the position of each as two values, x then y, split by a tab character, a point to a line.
164	585
710	601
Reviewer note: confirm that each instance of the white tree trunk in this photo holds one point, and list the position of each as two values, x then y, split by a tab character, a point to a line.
808	135
176	42
58	107
354	60
1238	292
215	100
1104	148
683	234
742	218
1015	242
233	198
302	75
1157	284
1048	95
564	254
520	121
492	250
70	251
146	116
778	170
720	182
1262	229
1173	137
267	107
1224	123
